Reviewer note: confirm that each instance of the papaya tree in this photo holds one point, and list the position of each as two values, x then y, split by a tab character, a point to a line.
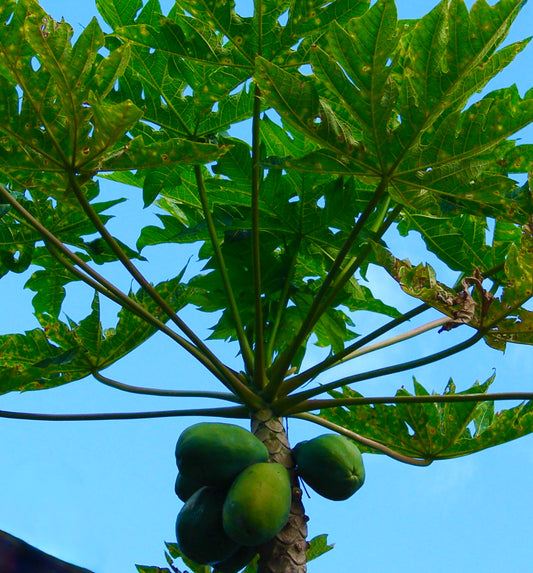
360	130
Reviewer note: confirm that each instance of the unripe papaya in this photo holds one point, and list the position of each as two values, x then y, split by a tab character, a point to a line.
199	531
258	503
331	465
185	487
237	561
215	453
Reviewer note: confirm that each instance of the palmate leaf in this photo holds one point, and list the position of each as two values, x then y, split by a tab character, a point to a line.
63	122
395	108
118	12
58	353
176	94
450	55
361	51
434	431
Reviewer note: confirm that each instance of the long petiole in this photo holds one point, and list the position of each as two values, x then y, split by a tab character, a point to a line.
313	405
135	273
283	301
335	359
232	303
230	412
362	440
288	403
399	338
99	283
259	346
128	303
350	268
159	392
283	362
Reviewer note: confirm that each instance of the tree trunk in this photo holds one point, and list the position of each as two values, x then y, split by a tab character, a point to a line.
286	552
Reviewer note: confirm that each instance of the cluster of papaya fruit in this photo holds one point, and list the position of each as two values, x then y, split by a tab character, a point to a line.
236	500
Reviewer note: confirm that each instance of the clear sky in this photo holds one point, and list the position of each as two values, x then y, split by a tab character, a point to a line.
100	494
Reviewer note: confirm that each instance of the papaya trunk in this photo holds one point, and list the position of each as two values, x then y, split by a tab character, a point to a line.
286	552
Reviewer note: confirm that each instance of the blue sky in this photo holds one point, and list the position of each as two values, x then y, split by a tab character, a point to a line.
100	494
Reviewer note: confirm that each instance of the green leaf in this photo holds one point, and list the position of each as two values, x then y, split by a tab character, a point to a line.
355	68
296	99
59	353
434	431
118	12
318	546
48	284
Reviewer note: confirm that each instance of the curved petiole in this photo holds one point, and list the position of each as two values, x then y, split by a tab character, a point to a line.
365	441
136	274
282	363
159	392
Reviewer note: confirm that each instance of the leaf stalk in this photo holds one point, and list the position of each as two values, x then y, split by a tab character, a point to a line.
230	412
160	392
363	440
232	303
282	364
313	405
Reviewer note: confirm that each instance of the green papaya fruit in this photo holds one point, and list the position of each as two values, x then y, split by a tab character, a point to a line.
237	561
257	504
199	531
215	453
185	487
331	465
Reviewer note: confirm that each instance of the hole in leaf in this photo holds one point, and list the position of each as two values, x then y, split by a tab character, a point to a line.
283	18
35	64
244	8
297	45
20	94
294	199
410	430
472	428
347	76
